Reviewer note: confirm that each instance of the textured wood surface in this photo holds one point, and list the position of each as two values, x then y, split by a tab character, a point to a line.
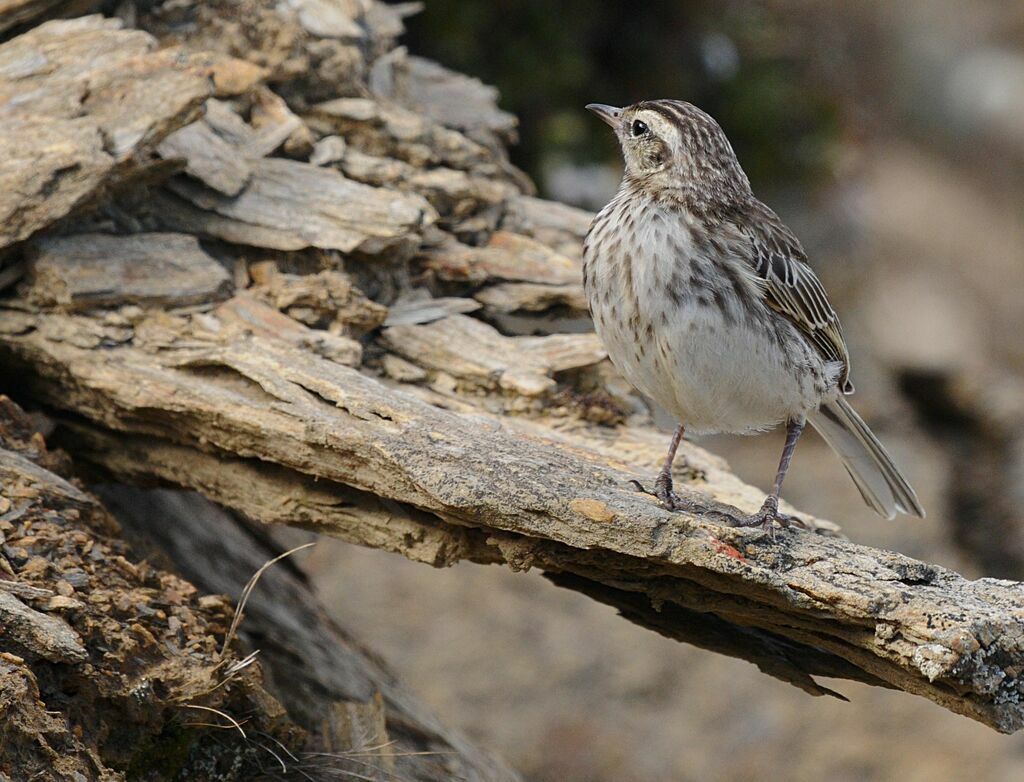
82	612
290	205
87	271
330	685
70	138
544	496
296	283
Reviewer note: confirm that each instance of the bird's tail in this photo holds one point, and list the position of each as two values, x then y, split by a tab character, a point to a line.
880	483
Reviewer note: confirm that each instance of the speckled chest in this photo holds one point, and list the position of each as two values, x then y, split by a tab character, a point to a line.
684	328
639	273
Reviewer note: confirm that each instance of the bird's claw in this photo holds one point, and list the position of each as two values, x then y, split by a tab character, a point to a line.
666	497
680	504
639	486
767	517
764	518
662	490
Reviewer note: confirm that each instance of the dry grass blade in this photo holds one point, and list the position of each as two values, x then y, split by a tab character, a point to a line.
241	665
284	749
240	609
268	750
234	723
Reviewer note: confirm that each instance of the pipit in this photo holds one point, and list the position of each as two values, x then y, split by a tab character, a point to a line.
706	303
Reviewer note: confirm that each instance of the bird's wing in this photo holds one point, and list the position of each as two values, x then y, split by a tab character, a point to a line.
790	285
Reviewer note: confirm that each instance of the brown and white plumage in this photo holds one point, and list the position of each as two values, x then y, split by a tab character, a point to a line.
707	304
791	286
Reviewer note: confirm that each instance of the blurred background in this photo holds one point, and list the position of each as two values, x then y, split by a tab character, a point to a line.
890	137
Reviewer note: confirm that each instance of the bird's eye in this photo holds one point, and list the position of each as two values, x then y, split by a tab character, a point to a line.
638	128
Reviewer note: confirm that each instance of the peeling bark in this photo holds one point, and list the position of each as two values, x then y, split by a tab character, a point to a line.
297	303
546	497
112	668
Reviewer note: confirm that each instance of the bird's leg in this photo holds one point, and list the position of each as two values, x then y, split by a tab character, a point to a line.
663	483
769	512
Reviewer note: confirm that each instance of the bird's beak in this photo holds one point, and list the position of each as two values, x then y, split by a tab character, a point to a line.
609	114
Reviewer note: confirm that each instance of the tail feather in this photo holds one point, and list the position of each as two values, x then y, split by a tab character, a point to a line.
884	489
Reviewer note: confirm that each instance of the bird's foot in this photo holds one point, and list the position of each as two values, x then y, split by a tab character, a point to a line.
767	517
663	491
764	518
678	502
718	512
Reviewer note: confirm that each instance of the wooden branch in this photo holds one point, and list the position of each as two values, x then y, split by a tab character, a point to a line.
297	401
275	495
530	493
80	611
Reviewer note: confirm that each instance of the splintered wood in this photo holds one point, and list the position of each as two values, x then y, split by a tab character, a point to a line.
87	271
85	619
220	322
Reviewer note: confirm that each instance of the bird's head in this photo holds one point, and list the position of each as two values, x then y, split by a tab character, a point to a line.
673	143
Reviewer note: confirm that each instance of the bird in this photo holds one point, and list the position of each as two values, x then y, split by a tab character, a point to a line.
706	303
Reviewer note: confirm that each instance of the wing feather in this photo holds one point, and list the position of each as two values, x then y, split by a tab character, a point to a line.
790	284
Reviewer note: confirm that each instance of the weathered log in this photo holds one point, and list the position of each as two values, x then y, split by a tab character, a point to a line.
144	650
65	136
550	493
276	495
262	403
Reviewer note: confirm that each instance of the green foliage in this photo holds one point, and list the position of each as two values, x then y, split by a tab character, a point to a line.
549	59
